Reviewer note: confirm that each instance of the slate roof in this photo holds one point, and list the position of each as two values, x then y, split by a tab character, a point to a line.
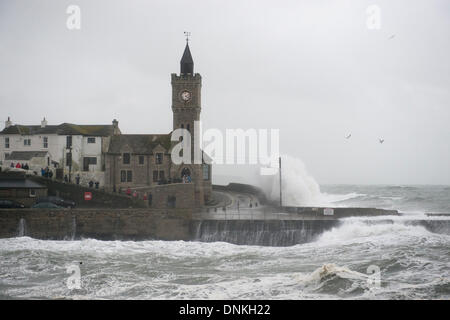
25	155
187	63
139	143
62	129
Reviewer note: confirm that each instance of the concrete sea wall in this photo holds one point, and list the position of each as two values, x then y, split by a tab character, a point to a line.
261	232
173	224
155	224
103	224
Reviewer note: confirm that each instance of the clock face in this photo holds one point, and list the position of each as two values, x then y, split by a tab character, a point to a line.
185	95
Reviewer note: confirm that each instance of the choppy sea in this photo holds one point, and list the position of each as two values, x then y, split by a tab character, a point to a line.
357	260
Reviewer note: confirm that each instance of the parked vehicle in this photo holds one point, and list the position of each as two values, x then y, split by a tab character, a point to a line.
58	201
10	204
45	205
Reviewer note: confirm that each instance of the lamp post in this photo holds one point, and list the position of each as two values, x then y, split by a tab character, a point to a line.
281	195
70	163
69	155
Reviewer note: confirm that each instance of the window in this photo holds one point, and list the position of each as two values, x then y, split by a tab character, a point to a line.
155	176
32	193
45	142
87	161
90	140
161	175
27	142
68	142
68	159
205	169
159	158
126	158
141	159
6	142
188	127
126	176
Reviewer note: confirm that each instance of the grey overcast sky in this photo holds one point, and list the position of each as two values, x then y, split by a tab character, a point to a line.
310	68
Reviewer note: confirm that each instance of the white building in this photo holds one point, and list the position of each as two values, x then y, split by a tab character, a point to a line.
67	149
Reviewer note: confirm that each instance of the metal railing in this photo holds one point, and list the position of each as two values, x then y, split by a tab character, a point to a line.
260	213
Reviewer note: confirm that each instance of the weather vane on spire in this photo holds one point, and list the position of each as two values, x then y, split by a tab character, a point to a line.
187	34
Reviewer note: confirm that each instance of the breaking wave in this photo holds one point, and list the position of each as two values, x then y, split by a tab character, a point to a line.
300	188
413	263
354	230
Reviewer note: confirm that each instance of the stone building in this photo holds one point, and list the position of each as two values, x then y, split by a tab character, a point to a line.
143	162
67	149
16	186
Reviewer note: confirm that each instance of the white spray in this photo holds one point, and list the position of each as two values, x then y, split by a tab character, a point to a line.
299	187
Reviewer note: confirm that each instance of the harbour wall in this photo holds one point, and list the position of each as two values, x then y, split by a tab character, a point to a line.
102	224
172	224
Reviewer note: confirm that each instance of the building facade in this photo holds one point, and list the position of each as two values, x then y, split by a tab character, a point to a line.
144	162
118	162
15	186
67	149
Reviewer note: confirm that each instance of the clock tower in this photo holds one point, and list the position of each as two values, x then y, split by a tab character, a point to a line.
186	94
186	108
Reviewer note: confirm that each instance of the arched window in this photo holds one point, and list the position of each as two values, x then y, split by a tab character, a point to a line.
185	172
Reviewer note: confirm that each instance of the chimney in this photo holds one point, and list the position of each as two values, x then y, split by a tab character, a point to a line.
116	130
8	123
43	123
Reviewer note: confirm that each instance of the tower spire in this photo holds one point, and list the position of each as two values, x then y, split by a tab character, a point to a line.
187	34
187	63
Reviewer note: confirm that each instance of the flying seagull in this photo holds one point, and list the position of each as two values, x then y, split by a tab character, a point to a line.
381	140
391	36
348	136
